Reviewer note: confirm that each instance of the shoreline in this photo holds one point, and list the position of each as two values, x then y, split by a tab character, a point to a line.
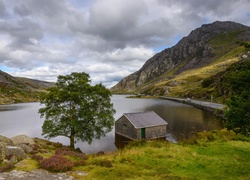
213	108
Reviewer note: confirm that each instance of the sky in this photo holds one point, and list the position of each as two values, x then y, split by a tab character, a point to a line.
108	39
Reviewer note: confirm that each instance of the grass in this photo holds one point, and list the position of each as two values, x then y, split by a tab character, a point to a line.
210	155
189	82
220	157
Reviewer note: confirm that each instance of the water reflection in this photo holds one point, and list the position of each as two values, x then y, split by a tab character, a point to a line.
121	141
184	120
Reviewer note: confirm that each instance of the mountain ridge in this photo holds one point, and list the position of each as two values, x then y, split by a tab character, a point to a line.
193	51
20	89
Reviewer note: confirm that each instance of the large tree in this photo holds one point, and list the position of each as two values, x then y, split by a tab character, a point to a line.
76	109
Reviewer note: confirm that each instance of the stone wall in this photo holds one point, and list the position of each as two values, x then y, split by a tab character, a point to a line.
124	128
156	132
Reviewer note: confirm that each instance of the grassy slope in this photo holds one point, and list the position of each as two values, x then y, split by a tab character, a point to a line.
211	155
188	83
218	159
22	90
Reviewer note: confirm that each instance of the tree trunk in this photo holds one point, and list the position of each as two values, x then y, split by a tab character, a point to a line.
72	141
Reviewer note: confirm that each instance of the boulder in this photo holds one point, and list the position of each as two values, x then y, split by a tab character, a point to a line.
25	147
22	139
6	140
16	152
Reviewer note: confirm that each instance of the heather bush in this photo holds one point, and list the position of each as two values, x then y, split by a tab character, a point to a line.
39	158
6	167
56	163
67	152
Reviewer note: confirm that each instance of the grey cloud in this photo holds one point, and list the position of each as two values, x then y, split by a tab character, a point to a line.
21	32
22	10
216	7
3	11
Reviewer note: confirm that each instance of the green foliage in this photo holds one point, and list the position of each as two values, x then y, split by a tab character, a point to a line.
236	82
244	44
238	113
77	110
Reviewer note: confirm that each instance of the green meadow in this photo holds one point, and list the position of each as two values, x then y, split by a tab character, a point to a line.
210	155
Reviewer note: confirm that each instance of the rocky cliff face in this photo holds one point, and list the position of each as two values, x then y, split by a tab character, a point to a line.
190	52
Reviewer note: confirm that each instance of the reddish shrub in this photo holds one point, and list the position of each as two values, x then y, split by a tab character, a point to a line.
68	152
57	163
39	158
35	147
6	168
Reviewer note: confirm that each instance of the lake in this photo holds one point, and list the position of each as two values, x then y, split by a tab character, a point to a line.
183	121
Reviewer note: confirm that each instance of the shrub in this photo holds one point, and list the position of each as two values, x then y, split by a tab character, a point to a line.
6	167
67	152
56	163
39	158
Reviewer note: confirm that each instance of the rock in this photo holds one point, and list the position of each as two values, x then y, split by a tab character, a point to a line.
13	159
35	174
6	140
22	139
16	151
25	147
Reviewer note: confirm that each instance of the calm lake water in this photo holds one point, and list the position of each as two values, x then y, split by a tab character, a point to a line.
183	120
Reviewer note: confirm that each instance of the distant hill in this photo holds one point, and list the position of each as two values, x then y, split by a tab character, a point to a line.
17	89
178	70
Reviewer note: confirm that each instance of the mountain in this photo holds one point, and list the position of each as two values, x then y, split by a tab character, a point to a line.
17	89
210	45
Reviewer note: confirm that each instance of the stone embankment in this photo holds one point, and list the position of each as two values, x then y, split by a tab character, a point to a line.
214	108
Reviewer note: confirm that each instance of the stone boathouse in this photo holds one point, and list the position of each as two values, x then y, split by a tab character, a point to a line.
141	125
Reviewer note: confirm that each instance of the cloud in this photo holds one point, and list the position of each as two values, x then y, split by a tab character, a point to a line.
109	39
22	10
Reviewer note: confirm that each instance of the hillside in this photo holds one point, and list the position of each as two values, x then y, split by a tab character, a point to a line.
17	89
180	69
210	155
